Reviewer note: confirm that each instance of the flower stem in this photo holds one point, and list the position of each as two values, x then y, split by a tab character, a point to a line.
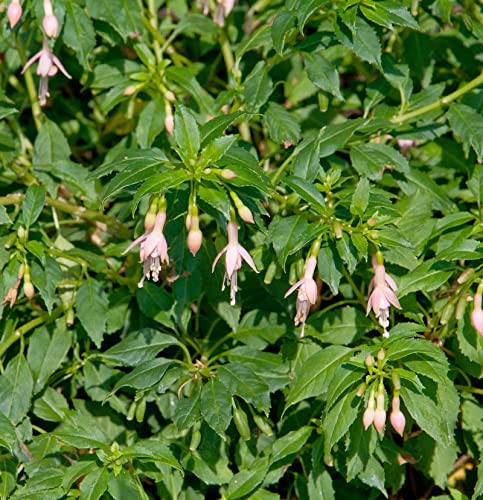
439	103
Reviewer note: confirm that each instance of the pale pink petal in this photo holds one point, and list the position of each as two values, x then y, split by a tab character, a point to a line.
217	258
247	257
391	297
311	291
31	61
57	62
293	288
232	260
135	242
391	282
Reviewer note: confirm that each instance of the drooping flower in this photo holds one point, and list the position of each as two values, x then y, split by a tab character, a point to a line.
235	253
477	313
48	66
223	9
307	293
382	290
153	249
14	13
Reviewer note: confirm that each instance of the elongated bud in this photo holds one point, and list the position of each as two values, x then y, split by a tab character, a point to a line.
246	214
28	289
398	421
50	25
369	360
241	422
14	13
465	275
396	381
477	313
270	274
368	416
361	390
380	414
263	425
381	355
195	236
70	317
129	90
150	217
140	410
228	174
168	119
195	440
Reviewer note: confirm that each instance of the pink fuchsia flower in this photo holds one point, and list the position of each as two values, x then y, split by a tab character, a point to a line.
153	249
235	253
382	290
397	418
380	413
223	9
477	313
307	293
14	13
368	417
48	66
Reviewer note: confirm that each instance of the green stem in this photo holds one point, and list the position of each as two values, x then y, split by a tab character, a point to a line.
465	388
20	332
282	167
444	101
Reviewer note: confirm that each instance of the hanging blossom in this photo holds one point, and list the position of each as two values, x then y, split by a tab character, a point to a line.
14	13
48	66
382	290
307	293
223	9
235	253
153	247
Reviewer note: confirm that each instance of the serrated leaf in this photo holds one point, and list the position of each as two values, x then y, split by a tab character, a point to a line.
188	410
290	443
32	204
360	198
46	280
52	406
216	126
329	267
145	375
333	137
4	218
308	192
78	32
467	125
280	27
307	159
216	405
258	87
94	484
50	145
245	481
150	449
323	74
186	133
427	277
79	431
371	160
239	379
313	377
151	122
361	39
282	125
16	387
286	235
122	15
216	149
91	307
139	347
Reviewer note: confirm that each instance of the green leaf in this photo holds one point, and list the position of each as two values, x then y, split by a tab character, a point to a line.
323	74
282	125
151	122
216	405
47	280
145	375
339	418
372	159
8	436
361	39
150	449
258	87
261	37
427	277
329	267
4	218
312	378
122	15
287	236
216	126
32	204
216	149
78	32
307	158
16	387
94	484
281	25
91	307
46	352
139	346
245	481
188	410
52	406
467	125
360	198
78	431
334	137
308	192
50	145
186	134
239	379
159	183
290	443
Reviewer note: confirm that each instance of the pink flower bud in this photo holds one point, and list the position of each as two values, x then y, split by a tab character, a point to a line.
129	90
168	119
228	174
50	25
398	421
195	238
380	414
14	13
246	214
368	418
369	360
477	314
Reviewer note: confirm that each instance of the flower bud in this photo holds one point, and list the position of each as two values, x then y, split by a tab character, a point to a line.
28	289
195	238
241	423
228	174
129	90
368	416
150	217
369	360
381	355
168	119
245	213
477	314
380	414
14	13
398	421
50	25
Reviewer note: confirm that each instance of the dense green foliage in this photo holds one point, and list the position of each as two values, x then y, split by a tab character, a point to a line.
343	136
